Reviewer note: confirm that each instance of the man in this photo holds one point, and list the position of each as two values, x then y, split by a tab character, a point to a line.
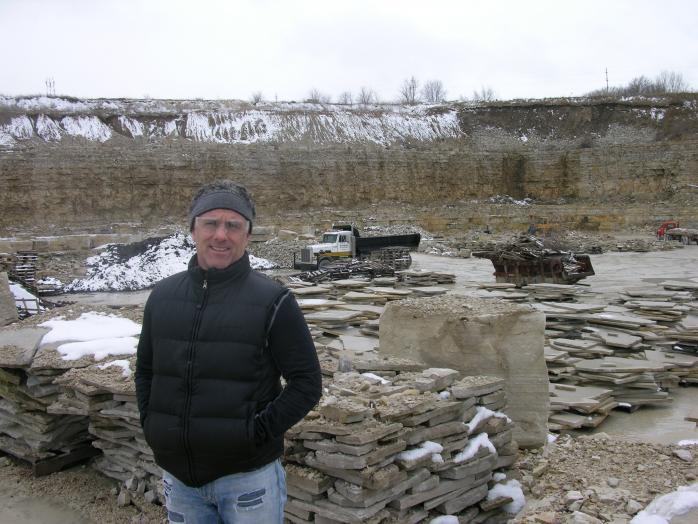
216	339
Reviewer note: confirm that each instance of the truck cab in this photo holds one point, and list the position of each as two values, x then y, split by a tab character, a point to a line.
334	245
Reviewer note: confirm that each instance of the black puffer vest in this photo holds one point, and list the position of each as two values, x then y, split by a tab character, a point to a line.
211	373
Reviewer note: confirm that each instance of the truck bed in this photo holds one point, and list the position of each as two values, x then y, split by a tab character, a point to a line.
365	245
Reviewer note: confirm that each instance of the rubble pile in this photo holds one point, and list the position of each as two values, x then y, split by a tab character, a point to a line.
598	478
393	444
279	252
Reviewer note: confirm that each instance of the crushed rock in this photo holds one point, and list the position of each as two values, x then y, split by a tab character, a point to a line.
612	477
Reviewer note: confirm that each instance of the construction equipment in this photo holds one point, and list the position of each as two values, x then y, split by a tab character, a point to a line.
344	243
666	225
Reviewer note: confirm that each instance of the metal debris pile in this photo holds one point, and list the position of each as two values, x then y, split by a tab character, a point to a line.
526	260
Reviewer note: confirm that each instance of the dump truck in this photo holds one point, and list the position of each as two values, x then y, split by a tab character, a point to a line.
685	235
344	243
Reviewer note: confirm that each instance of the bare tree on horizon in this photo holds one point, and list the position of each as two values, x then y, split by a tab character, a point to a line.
367	96
486	94
345	97
433	92
408	91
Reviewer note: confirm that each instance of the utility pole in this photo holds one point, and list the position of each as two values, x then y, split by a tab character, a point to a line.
50	87
607	79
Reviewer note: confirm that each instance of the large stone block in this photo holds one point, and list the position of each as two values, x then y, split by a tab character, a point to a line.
478	337
8	309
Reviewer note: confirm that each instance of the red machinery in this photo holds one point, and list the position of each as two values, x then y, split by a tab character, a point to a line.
666	225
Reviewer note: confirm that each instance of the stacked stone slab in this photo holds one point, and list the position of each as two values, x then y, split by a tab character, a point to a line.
623	349
28	428
115	427
403	449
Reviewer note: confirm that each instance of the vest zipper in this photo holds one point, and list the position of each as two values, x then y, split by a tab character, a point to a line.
189	371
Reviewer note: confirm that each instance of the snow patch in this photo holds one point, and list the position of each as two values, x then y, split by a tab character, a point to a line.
134	127
123	364
161	258
89	326
98	348
47	129
665	507
511	488
425	449
89	127
473	446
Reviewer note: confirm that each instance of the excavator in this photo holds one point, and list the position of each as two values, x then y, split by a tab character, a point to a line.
666	225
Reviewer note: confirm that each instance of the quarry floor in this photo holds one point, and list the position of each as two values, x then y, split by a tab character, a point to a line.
80	495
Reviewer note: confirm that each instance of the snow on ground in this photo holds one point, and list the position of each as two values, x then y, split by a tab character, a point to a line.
510	488
93	334
139	266
24	299
665	507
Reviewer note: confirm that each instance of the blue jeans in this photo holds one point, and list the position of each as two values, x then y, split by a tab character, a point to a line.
253	497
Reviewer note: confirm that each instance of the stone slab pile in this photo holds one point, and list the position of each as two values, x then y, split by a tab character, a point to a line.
414	277
400	445
573	407
115	427
29	429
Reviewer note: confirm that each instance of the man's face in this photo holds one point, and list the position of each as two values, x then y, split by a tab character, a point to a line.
217	244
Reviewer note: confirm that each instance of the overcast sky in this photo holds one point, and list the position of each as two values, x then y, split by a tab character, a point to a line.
230	49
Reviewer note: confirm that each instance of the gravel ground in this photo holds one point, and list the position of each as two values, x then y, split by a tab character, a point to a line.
604	477
79	495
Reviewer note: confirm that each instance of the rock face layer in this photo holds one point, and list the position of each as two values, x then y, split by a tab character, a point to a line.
83	164
478	337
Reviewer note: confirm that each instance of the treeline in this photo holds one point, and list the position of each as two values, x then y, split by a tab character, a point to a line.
664	83
411	92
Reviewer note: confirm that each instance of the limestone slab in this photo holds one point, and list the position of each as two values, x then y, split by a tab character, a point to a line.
18	346
344	461
8	309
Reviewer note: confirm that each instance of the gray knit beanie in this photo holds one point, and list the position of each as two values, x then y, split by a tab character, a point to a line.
222	194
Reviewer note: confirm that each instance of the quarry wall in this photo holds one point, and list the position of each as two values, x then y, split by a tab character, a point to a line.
588	164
